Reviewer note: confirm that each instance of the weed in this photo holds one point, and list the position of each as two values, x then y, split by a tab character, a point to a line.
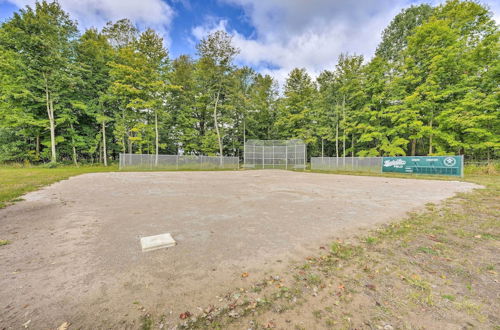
371	240
469	307
318	314
313	279
448	297
146	322
345	251
330	323
427	250
4	242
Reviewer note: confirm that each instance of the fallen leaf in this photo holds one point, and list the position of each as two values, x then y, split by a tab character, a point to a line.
270	325
64	326
244	275
185	315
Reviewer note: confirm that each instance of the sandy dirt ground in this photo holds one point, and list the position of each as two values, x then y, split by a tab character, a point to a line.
75	254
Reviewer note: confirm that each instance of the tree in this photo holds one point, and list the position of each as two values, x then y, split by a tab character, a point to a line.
449	65
349	77
154	86
43	39
395	35
120	34
215	66
93	55
294	116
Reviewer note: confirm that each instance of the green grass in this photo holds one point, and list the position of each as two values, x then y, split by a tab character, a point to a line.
17	181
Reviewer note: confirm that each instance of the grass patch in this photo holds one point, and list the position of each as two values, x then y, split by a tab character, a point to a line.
371	240
345	251
427	250
4	242
449	297
146	322
17	181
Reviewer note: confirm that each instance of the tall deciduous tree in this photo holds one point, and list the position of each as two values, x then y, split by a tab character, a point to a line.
294	116
43	39
215	66
93	55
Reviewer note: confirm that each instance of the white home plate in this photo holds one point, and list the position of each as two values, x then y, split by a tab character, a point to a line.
151	243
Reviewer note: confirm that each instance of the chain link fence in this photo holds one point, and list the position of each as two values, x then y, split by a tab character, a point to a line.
282	154
361	164
177	162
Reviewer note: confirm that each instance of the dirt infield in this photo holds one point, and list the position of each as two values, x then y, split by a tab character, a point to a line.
75	254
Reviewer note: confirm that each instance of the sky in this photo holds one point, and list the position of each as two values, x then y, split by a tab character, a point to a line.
274	36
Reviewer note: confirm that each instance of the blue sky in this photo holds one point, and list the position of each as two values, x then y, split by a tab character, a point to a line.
274	36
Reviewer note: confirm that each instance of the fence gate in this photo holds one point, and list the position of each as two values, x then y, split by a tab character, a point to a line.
284	154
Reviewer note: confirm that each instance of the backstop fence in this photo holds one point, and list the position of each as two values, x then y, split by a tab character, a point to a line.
283	154
361	164
176	162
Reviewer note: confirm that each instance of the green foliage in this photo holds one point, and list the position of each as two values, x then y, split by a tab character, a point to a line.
431	88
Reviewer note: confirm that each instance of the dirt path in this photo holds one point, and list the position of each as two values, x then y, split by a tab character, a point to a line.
75	253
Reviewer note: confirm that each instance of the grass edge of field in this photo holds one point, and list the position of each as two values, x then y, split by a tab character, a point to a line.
224	319
48	176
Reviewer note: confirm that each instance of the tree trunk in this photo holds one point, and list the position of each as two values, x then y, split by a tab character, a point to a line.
352	146
413	146
244	137
430	140
100	153
322	148
50	113
343	116
104	151
75	160
157	139
129	143
37	147
217	125
337	139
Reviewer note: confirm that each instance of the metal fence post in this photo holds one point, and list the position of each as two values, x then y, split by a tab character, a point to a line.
462	167
263	157
286	156
273	155
305	157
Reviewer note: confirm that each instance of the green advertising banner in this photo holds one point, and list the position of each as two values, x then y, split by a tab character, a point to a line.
441	165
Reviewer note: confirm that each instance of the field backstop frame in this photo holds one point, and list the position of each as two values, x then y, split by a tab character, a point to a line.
278	154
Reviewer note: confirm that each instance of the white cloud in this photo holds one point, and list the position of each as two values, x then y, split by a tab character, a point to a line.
307	33
156	14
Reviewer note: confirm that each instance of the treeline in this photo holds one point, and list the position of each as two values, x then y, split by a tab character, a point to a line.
431	88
